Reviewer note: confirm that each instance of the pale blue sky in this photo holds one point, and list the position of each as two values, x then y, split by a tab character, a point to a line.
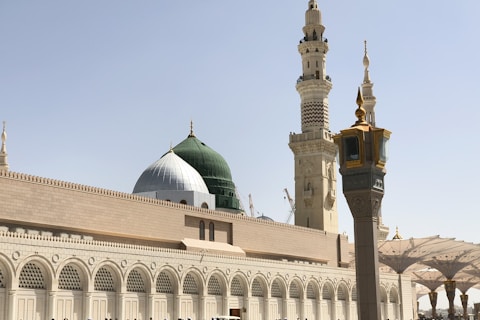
95	91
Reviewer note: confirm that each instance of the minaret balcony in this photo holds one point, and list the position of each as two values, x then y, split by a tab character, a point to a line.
312	76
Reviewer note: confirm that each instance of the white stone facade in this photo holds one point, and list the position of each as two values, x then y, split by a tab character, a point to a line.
48	277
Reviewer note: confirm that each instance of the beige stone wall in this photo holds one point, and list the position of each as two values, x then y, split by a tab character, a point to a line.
52	224
58	205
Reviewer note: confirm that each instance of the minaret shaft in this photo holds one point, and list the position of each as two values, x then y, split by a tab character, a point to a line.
314	149
3	151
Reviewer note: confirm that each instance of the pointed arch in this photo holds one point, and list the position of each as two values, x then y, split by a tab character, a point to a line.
35	273
6	272
192	283
342	292
259	287
327	290
354	293
167	280
107	278
139	279
393	296
278	289
72	278
295	289
383	294
238	285
81	268
312	290
216	284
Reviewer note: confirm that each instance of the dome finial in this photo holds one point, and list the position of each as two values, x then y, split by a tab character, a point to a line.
360	112
397	235
191	135
3	150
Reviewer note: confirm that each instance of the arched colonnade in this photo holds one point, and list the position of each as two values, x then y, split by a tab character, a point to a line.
78	290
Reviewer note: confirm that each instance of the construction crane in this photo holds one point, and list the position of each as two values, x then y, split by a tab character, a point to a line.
252	209
292	206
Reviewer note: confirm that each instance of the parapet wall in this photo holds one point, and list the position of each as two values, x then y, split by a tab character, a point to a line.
43	203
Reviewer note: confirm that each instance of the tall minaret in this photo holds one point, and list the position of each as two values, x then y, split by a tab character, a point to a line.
3	151
369	99
314	150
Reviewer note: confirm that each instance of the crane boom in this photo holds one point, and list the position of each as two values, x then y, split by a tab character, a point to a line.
292	206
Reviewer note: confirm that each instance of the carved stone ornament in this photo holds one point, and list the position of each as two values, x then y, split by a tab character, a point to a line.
365	205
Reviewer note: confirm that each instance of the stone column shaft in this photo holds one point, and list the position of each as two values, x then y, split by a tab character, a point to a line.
433	302
450	287
367	273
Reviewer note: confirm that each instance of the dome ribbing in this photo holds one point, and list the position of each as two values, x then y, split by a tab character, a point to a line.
213	168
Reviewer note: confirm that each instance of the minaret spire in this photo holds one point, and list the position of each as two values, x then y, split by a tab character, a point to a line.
3	150
367	91
314	150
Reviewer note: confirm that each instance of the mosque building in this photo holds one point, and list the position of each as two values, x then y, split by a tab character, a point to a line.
180	246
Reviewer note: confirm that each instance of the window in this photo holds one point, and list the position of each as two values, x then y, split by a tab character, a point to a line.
211	229
351	148
202	230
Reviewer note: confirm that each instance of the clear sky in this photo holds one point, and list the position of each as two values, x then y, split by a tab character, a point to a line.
95	91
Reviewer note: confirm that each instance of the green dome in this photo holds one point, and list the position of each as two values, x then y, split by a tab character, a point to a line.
213	168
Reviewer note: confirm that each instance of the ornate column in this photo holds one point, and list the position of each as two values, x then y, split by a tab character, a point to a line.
450	287
362	151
